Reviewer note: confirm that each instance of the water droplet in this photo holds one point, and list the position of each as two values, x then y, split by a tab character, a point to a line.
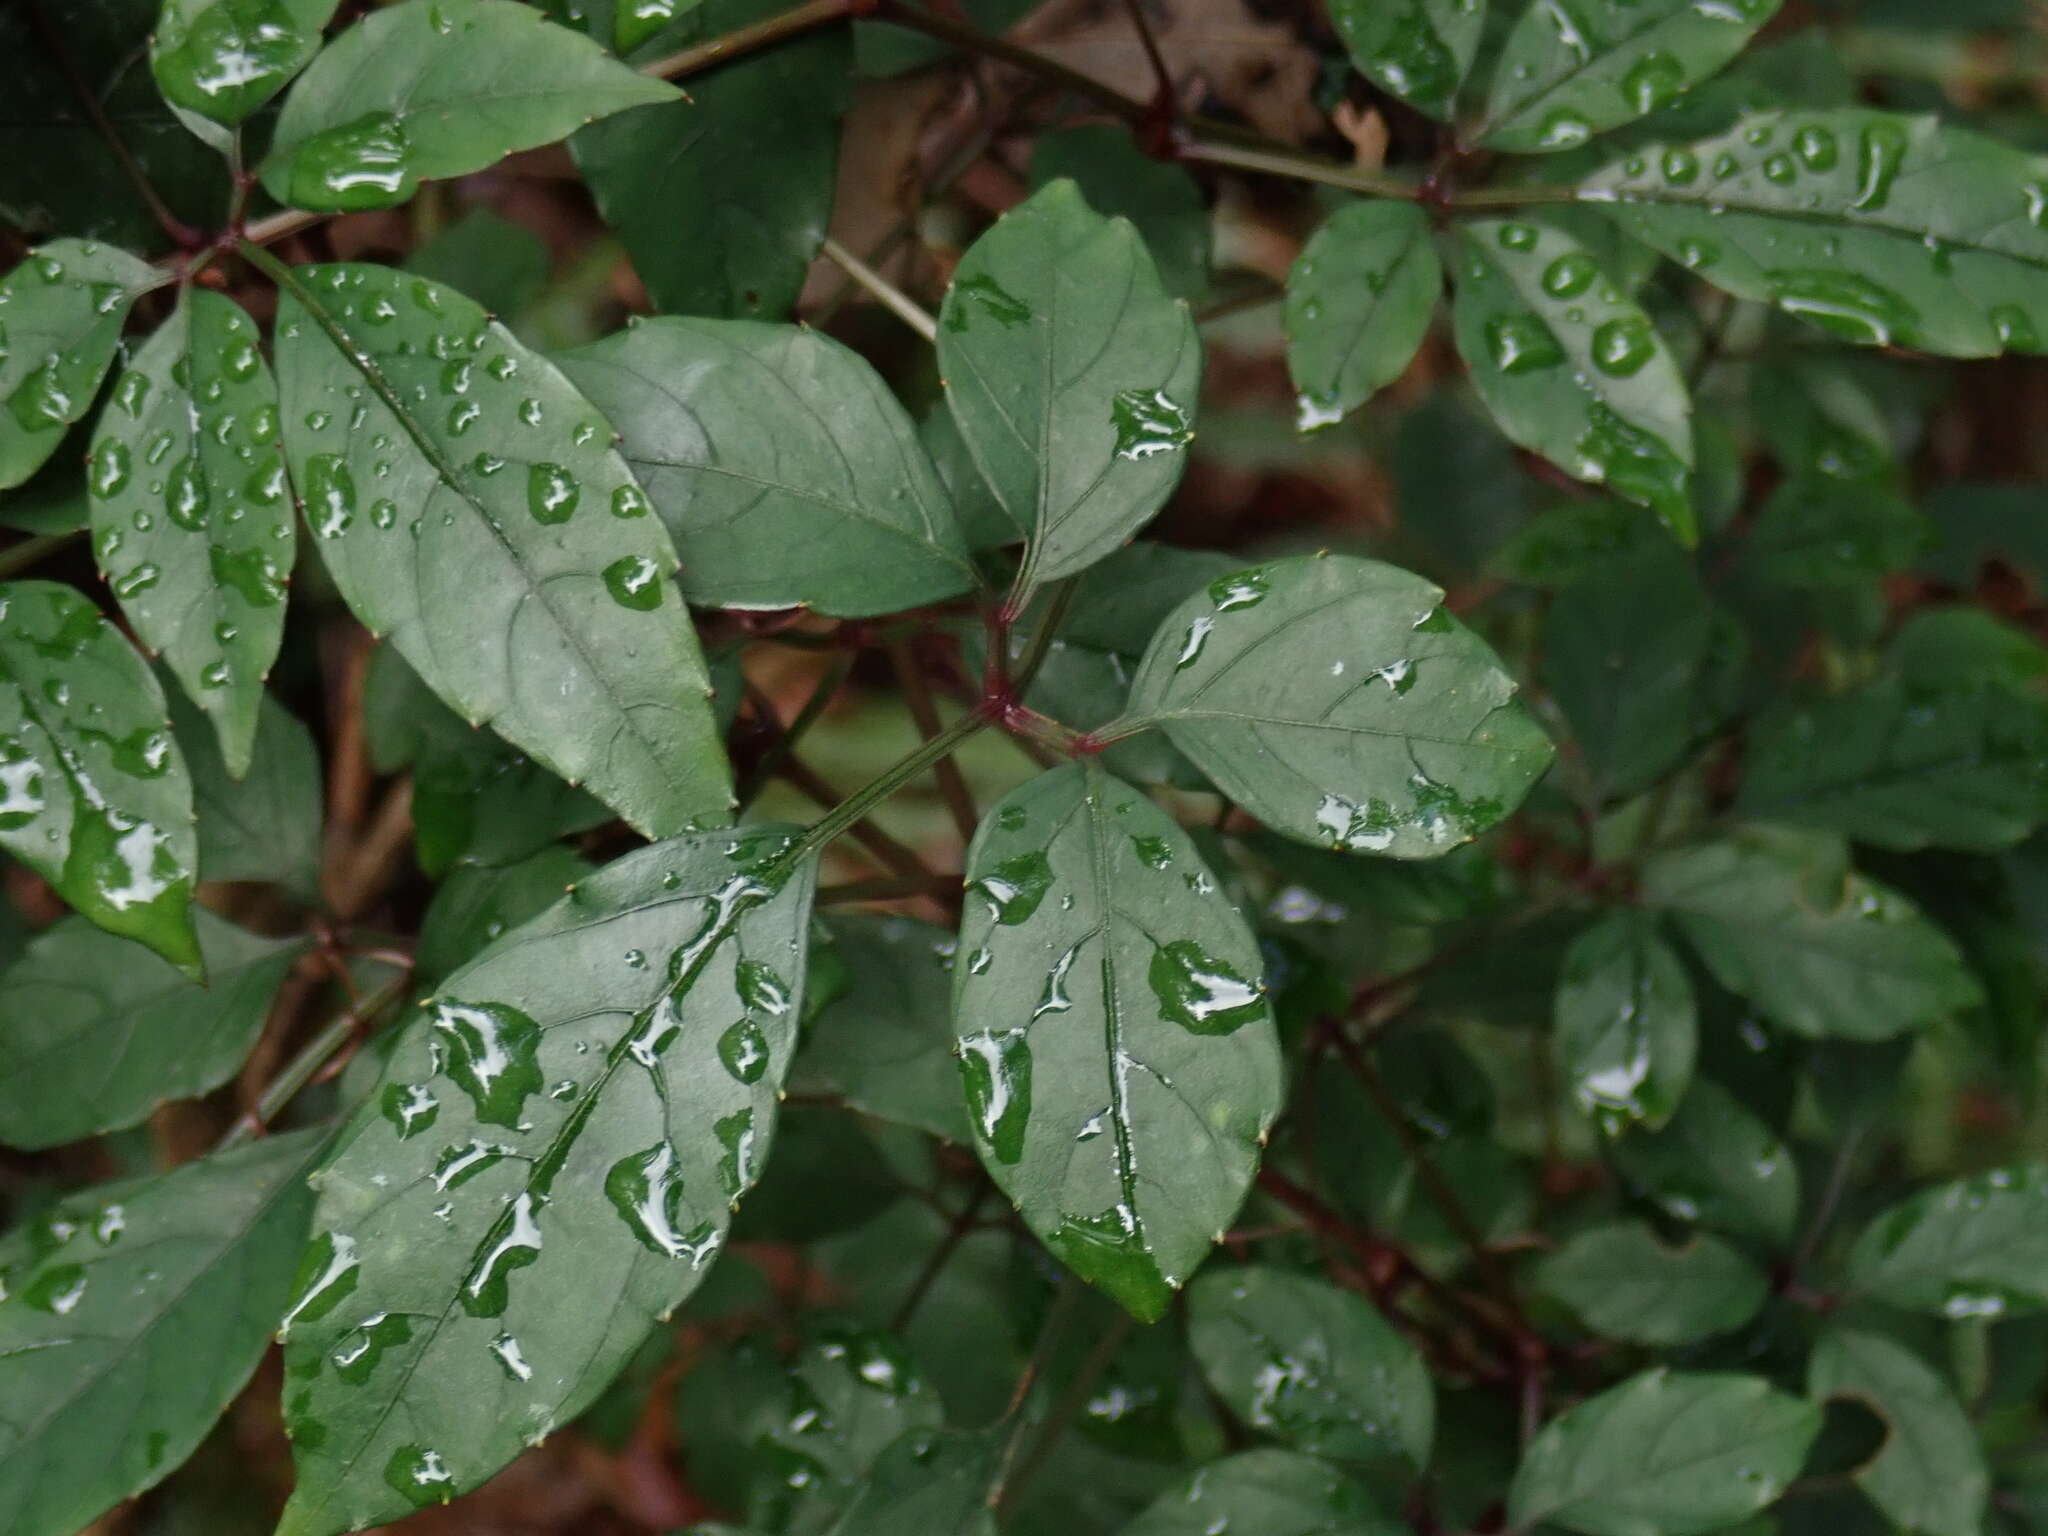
487	1290
990	297
634	582
1148	422
494	1056
1201	993
1014	888
410	1107
995	1071
419	1476
551	493
646	1189
1522	344
1570	275
1880	152
1622	346
360	164
109	468
1653	82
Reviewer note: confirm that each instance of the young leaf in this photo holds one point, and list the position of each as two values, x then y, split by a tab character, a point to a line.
1119	180
413	93
1359	301
267	826
1666	1453
572	1118
192	515
93	791
1625	1284
1820	949
1875	227
885	1043
1626	1029
1072	375
1580	67
136	1312
1276	1493
1418	50
1312	1365
225	58
933	1482
752	152
62	312
1116	1047
1973	1248
101	1032
1337	701
1965	767
786	472
1929	1475
1572	368
469	504
1717	1164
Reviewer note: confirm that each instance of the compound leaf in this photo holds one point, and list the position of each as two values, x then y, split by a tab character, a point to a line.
1359	300
786	472
470	505
1336	700
547	1168
1115	1042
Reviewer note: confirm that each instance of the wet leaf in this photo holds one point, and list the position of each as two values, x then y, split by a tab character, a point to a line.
1820	949
1298	1359
1626	1028
1717	1164
1665	1453
1359	301
135	1313
1418	50
1626	1284
1876	227
885	1043
61	313
1572	368
1115	1042
929	1481
480	903
1818	532
1965	767
1571	69
422	92
1337	701
192	516
1930	1474
786	472
1275	1493
225	58
470	505
502	265
266	826
100	1032
94	795
546	1169
1972	1248
1072	375
1120	181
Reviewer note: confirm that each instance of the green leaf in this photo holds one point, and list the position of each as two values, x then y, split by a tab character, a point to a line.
571	1118
94	795
1116	1047
1819	419
1929	1475
414	93
1418	50
266	826
786	472
1625	1284
470	505
1875	227
1337	701
136	1312
192	515
929	1481
1072	375
1119	180
62	310
1575	541
1937	648
1626	1028
1963	768
1640	662
1297	1358
225	58
1575	68
100	1032
849	1394
1359	301
1665	1453
1820	949
1717	1164
1572	368
752	153
885	1043
1820	532
1275	1493
480	903
1972	1248
502	265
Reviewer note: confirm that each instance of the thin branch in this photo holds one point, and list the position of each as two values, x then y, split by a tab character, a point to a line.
311	1059
972	40
891	298
917	693
894	888
17	558
744	40
1298	167
1003	1499
956	1233
787	737
1160	74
